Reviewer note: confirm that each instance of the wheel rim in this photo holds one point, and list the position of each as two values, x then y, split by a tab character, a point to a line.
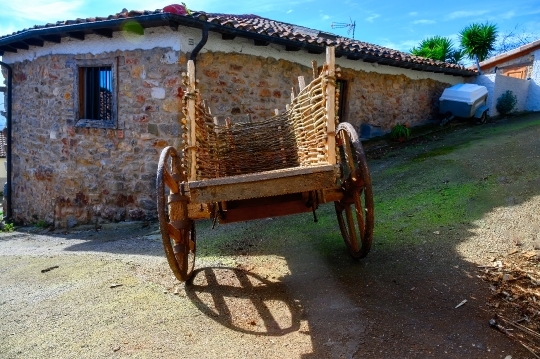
177	230
355	211
483	118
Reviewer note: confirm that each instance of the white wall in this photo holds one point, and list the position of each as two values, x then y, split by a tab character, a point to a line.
533	101
519	87
498	84
489	82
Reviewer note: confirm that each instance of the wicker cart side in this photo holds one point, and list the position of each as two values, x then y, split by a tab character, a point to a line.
301	136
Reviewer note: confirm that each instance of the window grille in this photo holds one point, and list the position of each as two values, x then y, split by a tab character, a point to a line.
97	93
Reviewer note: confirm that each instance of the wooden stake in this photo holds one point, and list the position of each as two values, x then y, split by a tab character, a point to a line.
331	106
315	69
301	83
192	121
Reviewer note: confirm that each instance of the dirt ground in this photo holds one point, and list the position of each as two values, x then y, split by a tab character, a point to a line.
287	288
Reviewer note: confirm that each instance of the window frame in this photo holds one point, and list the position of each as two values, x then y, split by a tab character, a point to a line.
79	94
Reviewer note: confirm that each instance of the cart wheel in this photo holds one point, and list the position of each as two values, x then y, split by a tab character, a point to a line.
483	118
177	230
355	210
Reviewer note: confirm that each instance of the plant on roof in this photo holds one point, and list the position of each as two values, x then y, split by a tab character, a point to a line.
177	9
478	40
188	11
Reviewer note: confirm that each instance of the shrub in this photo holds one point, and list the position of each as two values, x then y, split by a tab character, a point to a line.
41	224
506	102
400	131
8	227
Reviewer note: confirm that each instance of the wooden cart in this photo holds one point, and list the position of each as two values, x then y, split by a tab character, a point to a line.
286	164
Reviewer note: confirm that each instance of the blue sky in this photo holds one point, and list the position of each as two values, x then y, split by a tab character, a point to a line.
396	24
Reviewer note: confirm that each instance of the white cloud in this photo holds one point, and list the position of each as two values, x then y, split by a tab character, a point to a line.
461	14
325	17
262	8
413	13
372	17
507	15
424	22
43	10
404	46
289	11
454	38
7	30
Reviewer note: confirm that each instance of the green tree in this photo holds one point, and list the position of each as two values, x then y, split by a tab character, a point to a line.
436	48
456	56
477	41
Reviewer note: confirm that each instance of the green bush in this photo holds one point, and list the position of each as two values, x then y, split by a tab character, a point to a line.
506	102
8	227
400	132
41	224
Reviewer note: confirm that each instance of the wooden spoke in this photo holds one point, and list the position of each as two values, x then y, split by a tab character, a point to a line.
170	182
177	230
347	152
355	211
351	229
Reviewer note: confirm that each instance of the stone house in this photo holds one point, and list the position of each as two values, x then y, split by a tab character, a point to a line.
95	100
517	70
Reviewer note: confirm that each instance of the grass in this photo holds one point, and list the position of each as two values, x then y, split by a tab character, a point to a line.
425	192
423	210
434	153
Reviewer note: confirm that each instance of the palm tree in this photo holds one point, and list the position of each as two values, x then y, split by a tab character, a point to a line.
456	57
436	48
478	40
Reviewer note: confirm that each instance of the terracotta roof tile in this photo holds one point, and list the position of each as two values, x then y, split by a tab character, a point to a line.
263	26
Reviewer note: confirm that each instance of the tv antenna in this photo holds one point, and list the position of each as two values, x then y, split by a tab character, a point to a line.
340	25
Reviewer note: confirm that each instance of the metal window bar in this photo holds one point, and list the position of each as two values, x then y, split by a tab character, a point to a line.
98	93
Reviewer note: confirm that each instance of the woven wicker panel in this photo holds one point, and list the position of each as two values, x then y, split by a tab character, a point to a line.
295	138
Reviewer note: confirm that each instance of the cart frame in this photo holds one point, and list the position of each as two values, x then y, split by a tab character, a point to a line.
185	194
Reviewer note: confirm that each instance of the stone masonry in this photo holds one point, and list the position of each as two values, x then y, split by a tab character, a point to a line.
69	175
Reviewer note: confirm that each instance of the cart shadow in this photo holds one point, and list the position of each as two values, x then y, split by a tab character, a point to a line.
399	301
244	302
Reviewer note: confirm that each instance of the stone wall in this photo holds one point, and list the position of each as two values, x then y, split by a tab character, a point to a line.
69	175
385	100
237	85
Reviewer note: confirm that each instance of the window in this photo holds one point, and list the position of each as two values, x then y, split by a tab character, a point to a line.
96	98
341	86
